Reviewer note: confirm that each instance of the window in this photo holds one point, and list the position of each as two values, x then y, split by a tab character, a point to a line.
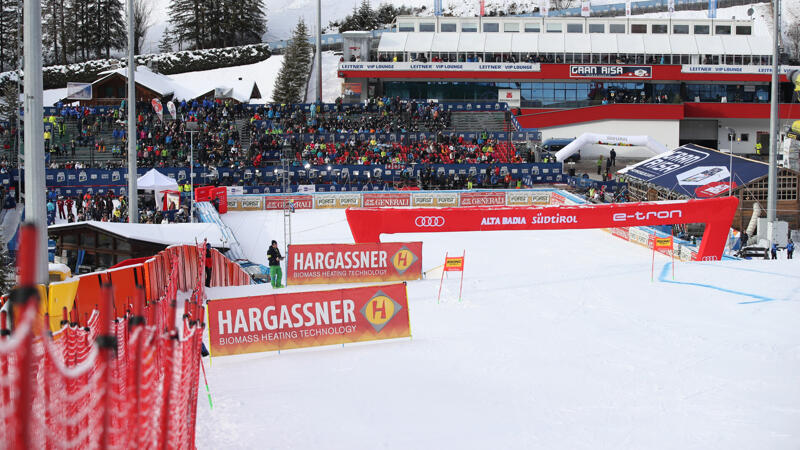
722	29
680	29
427	27
597	28
448	28
469	27
554	28
532	28
660	29
616	28
103	241
70	239
638	28
702	29
511	27
405	27
744	29
492	27
574	28
87	240
744	137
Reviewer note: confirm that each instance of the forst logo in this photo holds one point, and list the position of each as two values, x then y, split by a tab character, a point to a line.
403	259
640	73
379	310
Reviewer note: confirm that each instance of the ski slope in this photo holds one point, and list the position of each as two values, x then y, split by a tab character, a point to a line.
561	341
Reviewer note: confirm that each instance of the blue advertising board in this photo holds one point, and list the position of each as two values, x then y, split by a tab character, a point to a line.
268	178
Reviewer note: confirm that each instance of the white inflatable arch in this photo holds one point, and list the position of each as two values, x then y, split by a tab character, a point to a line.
609	139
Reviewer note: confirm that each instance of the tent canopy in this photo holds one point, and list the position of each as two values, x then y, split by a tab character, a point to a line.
157	182
154	180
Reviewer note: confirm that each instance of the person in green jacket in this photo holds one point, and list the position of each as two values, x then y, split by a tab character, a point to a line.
599	164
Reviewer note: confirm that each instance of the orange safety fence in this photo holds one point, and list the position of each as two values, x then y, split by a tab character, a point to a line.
122	370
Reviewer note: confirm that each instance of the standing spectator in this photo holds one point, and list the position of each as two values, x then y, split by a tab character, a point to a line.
60	204
789	249
613	157
51	213
744	238
275	258
208	265
774	250
599	164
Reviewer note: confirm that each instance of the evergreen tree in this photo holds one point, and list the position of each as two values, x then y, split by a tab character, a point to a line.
187	21
78	21
251	22
367	17
165	45
292	78
10	22
217	23
110	31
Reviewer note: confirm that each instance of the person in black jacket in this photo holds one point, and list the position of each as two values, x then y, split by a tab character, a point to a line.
275	258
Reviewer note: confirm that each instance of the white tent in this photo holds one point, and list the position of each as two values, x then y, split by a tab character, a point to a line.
157	182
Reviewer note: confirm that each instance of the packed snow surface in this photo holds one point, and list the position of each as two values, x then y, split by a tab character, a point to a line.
561	340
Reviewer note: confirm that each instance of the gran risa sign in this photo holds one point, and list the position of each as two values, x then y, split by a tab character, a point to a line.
610	71
367	224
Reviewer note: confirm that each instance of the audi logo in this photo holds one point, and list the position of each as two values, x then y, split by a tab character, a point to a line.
709	258
429	221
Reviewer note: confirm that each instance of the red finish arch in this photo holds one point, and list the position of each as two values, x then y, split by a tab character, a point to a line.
367	224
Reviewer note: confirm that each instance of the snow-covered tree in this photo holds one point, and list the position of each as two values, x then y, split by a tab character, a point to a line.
293	76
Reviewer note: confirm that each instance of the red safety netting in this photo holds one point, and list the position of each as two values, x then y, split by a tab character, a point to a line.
128	382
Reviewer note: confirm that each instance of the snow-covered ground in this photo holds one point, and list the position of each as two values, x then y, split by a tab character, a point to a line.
561	341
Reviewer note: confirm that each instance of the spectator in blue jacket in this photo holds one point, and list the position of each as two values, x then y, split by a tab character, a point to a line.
789	249
774	250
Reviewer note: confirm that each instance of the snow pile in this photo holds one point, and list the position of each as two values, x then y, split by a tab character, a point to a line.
561	341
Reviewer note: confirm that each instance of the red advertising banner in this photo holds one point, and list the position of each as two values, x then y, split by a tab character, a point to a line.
307	319
621	232
557	199
277	201
367	224
483	199
384	200
353	263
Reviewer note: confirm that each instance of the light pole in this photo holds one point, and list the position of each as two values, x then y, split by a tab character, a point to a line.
191	128
133	192
35	188
731	133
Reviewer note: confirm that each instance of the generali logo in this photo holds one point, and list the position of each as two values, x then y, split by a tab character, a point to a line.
403	259
379	310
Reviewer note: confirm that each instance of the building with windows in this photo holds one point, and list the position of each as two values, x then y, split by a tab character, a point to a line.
677	80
